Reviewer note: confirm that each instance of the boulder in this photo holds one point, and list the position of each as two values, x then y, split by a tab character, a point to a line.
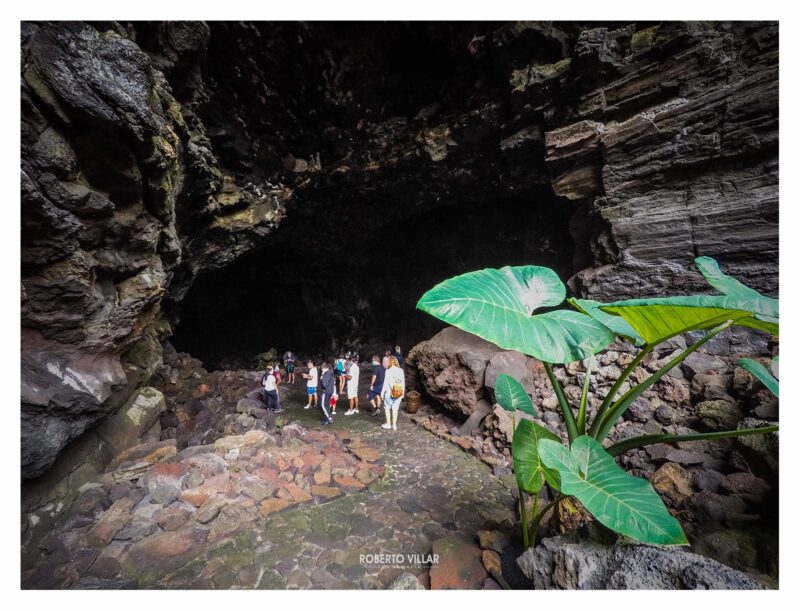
130	424
452	368
719	414
459	566
514	364
565	563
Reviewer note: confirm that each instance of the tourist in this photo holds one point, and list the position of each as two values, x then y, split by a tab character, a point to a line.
352	387
339	373
276	371
311	385
271	391
376	385
398	354
328	387
288	360
393	391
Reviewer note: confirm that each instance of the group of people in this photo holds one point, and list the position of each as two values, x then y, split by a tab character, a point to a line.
323	387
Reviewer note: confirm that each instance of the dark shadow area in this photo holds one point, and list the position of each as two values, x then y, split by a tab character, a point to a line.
352	280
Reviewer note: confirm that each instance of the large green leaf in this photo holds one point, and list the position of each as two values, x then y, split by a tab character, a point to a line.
496	304
511	395
658	319
624	503
617	324
529	469
763	307
762	373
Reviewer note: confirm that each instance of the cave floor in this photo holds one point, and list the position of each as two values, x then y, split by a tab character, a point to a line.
430	489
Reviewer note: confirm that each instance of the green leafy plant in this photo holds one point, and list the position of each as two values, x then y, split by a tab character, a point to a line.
499	304
768	378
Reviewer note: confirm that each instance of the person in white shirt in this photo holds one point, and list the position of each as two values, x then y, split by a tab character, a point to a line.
271	391
353	374
393	391
311	385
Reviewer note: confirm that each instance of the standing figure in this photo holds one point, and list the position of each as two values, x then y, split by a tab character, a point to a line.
398	354
339	373
271	391
393	391
311	385
376	385
352	387
327	388
288	360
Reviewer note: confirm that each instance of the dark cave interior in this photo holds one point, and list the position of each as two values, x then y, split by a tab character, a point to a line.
349	283
390	214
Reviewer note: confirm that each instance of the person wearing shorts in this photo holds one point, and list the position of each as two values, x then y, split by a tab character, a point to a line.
376	385
311	385
394	379
352	387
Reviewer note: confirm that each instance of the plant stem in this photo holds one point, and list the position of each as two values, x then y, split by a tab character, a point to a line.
646	440
581	424
601	411
534	523
537	518
566	410
619	408
523	517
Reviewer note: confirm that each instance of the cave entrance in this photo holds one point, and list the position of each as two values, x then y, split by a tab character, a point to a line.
348	277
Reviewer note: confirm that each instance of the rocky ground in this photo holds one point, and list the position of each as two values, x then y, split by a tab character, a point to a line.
292	507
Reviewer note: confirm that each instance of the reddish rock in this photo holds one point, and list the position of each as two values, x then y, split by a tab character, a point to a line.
268	474
298	494
365	476
164	552
323	474
165	474
348	481
465	443
459	566
110	522
194	496
173	516
326	492
366	453
271	506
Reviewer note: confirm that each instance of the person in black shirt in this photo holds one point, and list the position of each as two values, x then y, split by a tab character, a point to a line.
376	384
328	387
398	354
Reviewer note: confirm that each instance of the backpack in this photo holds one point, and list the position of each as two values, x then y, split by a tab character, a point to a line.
397	389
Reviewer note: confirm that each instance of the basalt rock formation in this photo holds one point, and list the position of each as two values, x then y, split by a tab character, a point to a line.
300	184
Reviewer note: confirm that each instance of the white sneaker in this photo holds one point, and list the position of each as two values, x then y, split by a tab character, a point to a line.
349	412
386	426
308	405
394	427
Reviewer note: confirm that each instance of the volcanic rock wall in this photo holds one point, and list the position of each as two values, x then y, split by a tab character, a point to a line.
154	153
